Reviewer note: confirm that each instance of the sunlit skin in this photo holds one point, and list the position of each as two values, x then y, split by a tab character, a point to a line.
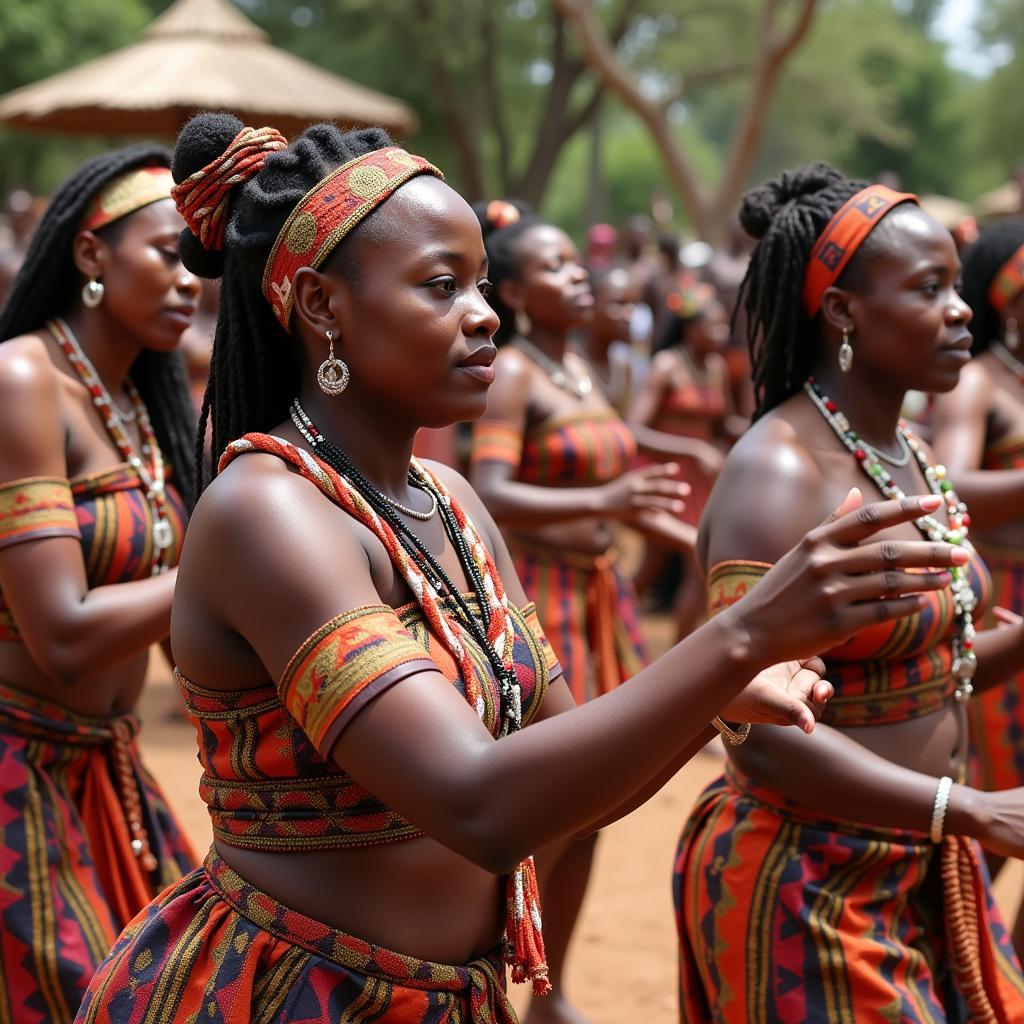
87	650
414	327
908	328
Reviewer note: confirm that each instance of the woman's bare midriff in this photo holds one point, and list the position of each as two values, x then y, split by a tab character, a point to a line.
415	897
584	536
106	693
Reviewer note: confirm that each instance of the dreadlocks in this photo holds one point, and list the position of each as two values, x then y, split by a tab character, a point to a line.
786	215
994	247
47	282
255	365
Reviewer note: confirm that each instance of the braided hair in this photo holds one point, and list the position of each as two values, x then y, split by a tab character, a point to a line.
256	365
505	253
48	280
786	215
995	245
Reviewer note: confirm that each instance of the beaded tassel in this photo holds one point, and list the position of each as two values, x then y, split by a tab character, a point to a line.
524	947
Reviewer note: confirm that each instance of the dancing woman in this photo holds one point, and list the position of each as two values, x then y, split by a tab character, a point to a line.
352	641
836	879
96	470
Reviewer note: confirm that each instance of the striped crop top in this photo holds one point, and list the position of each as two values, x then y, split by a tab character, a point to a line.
887	673
268	780
582	449
106	511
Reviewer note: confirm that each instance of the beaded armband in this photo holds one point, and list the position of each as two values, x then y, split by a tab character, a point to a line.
344	665
36	507
529	613
496	441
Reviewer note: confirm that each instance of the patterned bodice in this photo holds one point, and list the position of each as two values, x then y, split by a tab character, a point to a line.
691	410
891	672
1005	454
107	511
266	783
583	449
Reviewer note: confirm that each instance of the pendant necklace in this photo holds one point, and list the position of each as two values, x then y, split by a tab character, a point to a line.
579	385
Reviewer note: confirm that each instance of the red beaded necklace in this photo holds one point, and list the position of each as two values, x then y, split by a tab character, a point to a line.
150	467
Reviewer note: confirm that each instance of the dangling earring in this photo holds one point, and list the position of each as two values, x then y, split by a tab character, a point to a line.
846	352
92	293
523	324
333	373
1011	337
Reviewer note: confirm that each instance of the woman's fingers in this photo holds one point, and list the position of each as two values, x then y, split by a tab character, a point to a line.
861	523
893	583
1005	617
907	554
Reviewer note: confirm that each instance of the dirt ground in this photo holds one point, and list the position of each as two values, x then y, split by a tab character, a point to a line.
622	963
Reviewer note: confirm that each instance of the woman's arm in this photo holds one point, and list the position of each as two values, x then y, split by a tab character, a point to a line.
960	419
518	504
70	630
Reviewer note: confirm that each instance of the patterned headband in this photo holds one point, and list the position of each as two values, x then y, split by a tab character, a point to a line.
328	212
843	236
1008	283
126	194
202	198
691	300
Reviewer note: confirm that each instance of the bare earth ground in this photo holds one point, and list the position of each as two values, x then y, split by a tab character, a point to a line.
622	965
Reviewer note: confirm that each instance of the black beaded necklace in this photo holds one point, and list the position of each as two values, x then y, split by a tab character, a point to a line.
510	702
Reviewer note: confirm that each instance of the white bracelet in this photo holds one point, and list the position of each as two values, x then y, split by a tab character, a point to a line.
939	808
734	737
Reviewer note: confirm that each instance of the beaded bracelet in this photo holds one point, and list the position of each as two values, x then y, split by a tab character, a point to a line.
939	808
732	736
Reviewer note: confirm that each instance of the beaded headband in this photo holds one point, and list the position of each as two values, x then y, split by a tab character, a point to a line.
1009	282
843	236
692	300
126	194
202	198
328	212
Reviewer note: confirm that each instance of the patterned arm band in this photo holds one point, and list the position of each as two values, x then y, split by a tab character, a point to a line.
36	507
529	613
939	808
344	665
496	441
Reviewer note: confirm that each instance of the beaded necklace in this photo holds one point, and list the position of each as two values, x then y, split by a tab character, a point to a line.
1008	359
464	540
150	467
965	661
580	386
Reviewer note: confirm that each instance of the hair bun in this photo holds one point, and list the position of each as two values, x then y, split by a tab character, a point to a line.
495	214
761	205
202	141
197	258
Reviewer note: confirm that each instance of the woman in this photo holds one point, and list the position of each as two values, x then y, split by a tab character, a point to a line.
351	309
688	394
979	427
552	460
806	886
606	346
95	471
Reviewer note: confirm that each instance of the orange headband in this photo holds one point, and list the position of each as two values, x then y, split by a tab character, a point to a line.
126	194
328	212
1009	282
843	236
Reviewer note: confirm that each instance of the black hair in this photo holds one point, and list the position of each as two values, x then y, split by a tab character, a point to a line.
995	245
504	257
255	365
786	215
673	331
48	279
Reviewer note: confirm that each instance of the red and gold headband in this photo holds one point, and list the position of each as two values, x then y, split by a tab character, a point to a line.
328	212
843	236
1009	282
202	198
126	194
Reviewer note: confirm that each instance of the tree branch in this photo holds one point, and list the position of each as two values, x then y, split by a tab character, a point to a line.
705	76
492	95
604	61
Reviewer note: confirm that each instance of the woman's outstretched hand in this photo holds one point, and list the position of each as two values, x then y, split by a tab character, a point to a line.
839	580
790	693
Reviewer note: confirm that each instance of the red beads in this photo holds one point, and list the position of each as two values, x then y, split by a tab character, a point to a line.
860	455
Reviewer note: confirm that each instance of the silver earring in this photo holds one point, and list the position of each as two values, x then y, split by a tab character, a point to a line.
333	373
1011	336
846	352
92	293
523	324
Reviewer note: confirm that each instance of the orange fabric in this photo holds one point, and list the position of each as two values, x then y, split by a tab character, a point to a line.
329	211
1009	282
843	236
